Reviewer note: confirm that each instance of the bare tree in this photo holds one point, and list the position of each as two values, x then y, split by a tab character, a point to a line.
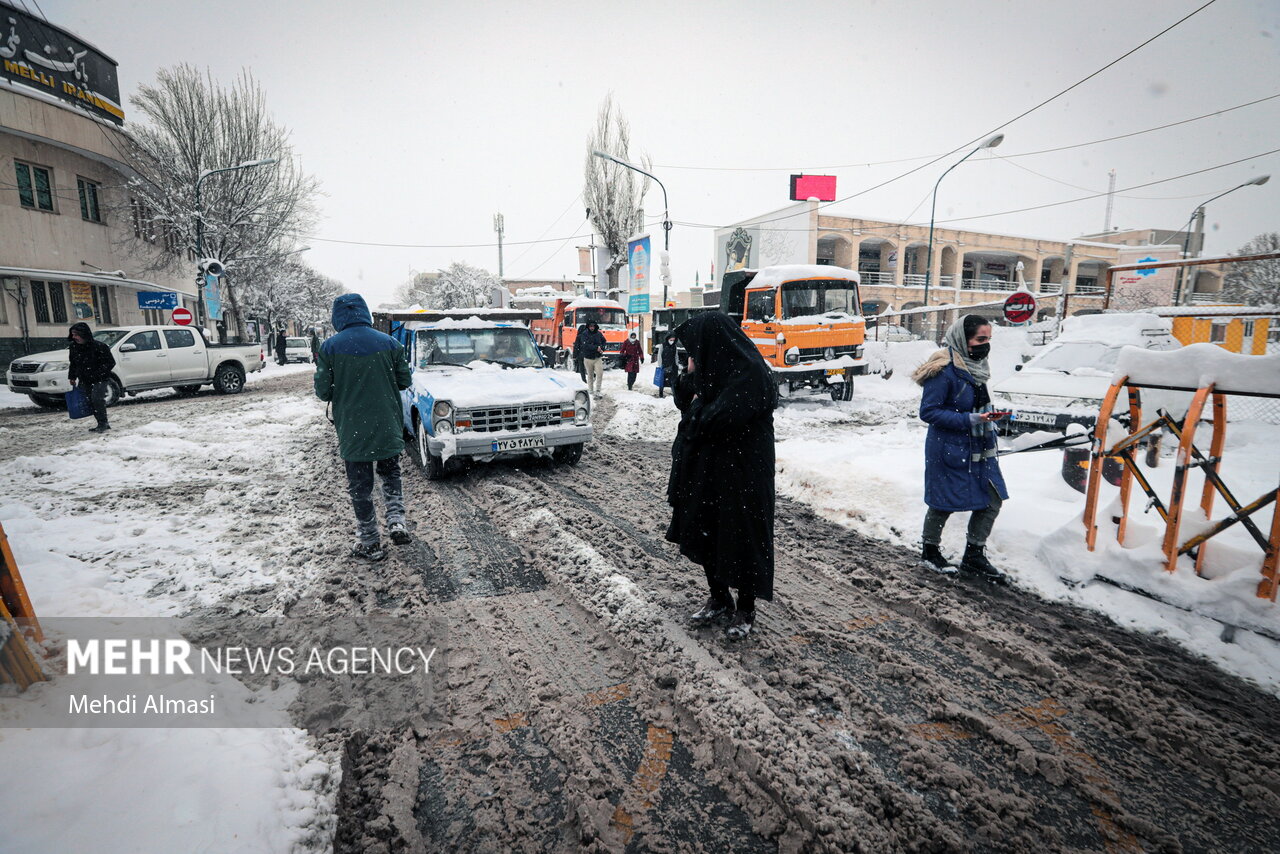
193	123
1256	282
613	193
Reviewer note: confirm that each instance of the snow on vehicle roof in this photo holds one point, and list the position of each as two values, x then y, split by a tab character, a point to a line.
773	276
1115	329
1198	365
472	322
584	302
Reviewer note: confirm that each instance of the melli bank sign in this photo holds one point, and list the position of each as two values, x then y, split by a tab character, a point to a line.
36	55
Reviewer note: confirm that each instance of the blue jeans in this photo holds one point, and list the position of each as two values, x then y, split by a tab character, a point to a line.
360	488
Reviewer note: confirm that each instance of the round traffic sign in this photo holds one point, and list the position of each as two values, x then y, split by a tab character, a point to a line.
182	316
1019	307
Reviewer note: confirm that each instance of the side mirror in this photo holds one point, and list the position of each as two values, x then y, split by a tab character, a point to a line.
1017	367
128	348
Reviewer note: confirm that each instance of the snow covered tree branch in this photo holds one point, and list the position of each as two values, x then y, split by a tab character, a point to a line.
613	193
457	286
1256	282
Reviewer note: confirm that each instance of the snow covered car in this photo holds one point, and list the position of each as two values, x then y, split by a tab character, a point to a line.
481	391
147	357
297	350
891	332
1064	384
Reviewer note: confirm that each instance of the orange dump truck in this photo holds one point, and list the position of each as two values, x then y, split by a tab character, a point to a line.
806	320
557	329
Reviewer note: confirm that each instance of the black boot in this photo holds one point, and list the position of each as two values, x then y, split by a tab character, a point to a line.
933	559
975	562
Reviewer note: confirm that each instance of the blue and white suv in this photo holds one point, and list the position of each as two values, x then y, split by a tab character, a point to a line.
481	391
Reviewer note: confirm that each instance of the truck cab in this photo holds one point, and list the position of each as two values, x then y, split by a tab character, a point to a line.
806	321
557	329
481	391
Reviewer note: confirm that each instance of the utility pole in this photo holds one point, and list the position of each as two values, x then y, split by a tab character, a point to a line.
498	227
1111	197
1064	297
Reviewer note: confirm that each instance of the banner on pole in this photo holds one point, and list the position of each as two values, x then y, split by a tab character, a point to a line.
638	265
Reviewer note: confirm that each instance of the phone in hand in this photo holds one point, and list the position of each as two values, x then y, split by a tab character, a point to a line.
1000	414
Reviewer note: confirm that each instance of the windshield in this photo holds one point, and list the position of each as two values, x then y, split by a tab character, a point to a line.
509	346
109	336
608	318
1070	355
802	299
296	342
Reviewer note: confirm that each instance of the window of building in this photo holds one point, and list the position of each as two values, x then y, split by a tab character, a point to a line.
179	338
102	305
57	301
153	316
1218	332
40	302
145	340
35	186
143	228
89	200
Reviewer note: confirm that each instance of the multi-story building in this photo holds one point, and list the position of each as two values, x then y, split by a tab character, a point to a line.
968	268
73	244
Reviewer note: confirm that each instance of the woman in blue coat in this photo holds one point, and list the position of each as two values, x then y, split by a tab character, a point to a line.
961	471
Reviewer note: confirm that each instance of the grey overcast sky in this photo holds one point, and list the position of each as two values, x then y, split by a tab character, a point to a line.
424	119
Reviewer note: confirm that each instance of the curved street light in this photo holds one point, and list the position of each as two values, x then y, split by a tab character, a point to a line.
200	285
1179	294
989	142
666	217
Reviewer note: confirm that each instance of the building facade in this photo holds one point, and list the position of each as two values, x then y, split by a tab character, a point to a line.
73	245
965	268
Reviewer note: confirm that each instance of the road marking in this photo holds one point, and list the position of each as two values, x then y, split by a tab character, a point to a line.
640	796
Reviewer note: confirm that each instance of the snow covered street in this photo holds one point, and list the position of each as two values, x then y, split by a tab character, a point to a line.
877	706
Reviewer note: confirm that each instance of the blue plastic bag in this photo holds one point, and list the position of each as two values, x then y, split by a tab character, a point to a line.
78	405
659	375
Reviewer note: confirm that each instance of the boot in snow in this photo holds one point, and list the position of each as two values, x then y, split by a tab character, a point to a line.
933	559
399	533
975	563
740	626
371	552
712	611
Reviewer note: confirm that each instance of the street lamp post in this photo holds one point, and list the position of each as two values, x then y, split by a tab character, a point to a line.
1182	293
666	216
989	142
200	283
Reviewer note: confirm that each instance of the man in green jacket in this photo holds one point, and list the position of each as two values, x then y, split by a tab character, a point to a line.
361	372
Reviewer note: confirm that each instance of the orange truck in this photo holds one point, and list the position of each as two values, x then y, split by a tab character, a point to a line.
557	329
806	320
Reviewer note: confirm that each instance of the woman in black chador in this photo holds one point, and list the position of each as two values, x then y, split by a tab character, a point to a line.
721	486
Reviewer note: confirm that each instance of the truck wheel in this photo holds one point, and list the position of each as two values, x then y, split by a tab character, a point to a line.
228	380
842	391
568	454
115	392
186	389
432	466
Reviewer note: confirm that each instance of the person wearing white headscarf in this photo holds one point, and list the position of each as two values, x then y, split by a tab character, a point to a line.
961	471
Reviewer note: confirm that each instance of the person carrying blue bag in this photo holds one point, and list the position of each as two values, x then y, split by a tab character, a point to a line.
90	371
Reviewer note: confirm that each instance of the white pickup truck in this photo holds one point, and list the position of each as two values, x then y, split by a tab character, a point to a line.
147	357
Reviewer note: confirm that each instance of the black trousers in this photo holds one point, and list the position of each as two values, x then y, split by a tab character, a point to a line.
97	393
720	592
631	379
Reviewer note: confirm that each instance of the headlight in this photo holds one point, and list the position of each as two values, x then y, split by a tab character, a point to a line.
792	357
581	398
442	409
443	427
829	353
55	366
580	417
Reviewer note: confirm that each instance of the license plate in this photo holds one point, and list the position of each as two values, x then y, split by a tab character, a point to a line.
835	372
1037	418
520	444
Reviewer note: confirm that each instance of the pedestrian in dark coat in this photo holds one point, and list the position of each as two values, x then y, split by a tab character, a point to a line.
578	364
90	369
961	470
721	488
631	357
593	342
315	345
362	371
282	343
670	364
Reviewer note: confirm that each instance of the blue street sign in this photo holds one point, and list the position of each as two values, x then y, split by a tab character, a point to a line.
1148	271
638	304
157	299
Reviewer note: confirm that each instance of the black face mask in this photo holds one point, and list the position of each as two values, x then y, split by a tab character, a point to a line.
979	352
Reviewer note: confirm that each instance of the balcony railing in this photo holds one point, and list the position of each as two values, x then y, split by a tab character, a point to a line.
1203	298
879	279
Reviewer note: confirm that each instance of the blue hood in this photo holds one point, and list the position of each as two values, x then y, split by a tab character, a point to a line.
350	310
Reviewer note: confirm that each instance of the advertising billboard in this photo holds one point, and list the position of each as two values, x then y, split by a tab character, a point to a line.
38	56
638	263
820	187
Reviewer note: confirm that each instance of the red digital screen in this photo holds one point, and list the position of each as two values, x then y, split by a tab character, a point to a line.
820	187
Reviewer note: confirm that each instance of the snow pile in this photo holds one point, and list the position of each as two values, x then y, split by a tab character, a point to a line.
1115	329
1199	365
772	276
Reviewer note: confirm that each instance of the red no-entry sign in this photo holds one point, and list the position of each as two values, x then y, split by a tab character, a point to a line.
182	316
1019	307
